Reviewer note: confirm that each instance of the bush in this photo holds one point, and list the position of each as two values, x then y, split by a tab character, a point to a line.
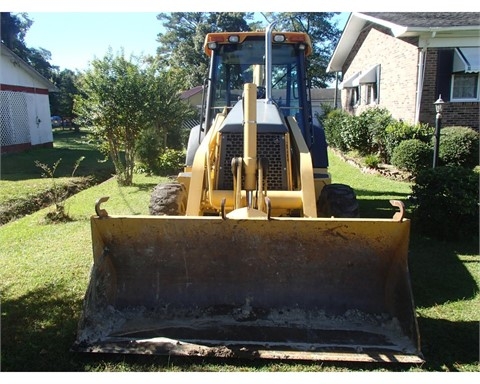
148	150
171	162
356	135
412	156
326	109
375	120
372	161
334	124
446	202
398	131
459	146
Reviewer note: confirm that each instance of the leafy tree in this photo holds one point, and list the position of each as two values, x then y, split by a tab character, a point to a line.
181	46
167	110
14	28
61	103
124	100
114	101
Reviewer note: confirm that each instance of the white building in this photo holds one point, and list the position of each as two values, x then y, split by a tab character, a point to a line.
24	105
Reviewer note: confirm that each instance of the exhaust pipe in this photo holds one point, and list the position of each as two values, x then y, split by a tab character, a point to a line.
268	62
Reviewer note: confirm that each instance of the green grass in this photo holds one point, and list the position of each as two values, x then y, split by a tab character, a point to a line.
45	270
24	185
69	146
373	191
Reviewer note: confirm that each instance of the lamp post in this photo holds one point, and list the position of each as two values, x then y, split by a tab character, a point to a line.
438	125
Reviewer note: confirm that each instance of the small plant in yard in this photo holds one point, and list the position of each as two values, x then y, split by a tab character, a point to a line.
58	193
372	161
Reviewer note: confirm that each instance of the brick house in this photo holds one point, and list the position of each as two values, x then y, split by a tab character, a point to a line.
403	61
24	105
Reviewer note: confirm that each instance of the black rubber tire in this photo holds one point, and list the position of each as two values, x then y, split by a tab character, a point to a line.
338	200
168	199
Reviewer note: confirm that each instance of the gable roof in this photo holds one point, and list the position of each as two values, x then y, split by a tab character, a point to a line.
5	51
191	92
416	20
405	24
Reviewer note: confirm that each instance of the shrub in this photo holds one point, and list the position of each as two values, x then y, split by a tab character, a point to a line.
326	109
459	146
171	162
446	202
412	155
148	150
376	120
398	131
372	161
355	135
334	123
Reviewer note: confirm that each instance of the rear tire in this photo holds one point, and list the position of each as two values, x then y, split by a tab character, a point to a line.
337	200
168	199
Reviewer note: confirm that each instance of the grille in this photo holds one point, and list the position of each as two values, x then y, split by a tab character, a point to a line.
14	127
269	145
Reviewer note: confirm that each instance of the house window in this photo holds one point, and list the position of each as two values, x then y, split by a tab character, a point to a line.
354	95
464	86
464	71
370	93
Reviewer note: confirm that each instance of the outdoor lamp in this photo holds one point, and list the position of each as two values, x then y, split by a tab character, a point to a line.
439	105
438	123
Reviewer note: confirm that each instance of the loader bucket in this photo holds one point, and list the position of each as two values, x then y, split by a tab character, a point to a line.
276	288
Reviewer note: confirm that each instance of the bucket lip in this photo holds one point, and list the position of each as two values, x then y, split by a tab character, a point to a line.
260	218
283	333
225	349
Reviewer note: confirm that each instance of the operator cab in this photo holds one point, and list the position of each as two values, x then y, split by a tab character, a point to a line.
237	59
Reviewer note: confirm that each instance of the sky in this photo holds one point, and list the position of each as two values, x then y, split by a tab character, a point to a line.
76	38
76	32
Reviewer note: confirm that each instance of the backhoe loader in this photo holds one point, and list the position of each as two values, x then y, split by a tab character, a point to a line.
253	252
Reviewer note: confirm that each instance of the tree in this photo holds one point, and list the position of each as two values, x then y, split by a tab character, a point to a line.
323	33
114	100
61	103
181	46
14	28
168	111
13	31
126	100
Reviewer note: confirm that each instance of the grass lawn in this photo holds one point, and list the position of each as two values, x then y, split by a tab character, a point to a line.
45	270
24	187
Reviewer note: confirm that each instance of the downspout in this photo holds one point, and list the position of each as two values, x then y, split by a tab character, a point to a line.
335	99
420	80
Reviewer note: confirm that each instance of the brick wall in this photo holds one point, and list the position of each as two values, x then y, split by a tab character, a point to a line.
398	71
399	60
454	113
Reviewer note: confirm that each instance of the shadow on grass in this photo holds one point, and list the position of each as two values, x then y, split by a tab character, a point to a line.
438	275
374	204
39	328
447	345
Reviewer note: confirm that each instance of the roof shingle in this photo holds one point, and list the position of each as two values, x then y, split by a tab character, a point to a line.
429	19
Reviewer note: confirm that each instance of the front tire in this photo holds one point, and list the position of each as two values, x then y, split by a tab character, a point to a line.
168	199
338	200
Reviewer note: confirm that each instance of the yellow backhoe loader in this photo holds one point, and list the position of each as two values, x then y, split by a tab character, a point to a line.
253	251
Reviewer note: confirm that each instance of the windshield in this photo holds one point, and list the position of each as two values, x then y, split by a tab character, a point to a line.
237	64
